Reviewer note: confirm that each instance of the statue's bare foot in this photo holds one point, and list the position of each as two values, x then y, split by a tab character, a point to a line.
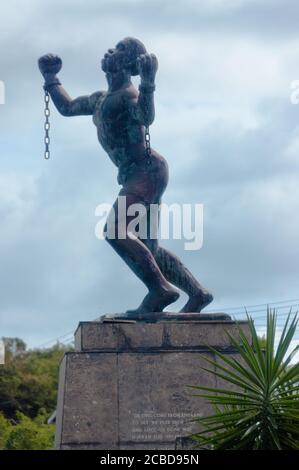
197	302
156	301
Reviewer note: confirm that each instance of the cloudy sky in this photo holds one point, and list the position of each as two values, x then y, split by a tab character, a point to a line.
224	121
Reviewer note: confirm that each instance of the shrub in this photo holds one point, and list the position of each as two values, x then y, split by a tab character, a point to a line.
260	409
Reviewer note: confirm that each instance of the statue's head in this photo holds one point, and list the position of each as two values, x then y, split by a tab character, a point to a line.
123	56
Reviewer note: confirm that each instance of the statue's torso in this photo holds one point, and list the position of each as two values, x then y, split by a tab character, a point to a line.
121	136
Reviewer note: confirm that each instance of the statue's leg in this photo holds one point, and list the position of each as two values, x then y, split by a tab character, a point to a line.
177	273
142	262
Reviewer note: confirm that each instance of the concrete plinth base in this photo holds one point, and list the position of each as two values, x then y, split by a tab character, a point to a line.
125	386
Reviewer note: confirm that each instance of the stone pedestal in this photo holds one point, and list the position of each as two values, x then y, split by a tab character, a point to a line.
125	386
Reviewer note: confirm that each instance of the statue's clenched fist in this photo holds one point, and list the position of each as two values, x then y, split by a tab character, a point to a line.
49	64
147	65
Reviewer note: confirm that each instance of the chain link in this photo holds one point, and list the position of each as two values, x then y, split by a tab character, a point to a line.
147	142
47	126
47	131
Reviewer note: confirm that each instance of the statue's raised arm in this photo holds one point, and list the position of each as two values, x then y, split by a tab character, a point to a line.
50	65
147	66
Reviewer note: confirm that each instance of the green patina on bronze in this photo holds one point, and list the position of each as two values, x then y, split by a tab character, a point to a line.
122	115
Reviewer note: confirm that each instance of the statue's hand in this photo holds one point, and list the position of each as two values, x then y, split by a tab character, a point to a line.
49	65
147	65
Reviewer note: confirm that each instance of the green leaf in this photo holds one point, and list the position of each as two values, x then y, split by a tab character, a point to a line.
264	412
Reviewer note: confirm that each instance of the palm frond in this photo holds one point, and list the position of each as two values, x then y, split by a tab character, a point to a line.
260	407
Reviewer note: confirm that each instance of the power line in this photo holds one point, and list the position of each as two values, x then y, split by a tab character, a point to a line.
257	305
241	310
55	340
251	314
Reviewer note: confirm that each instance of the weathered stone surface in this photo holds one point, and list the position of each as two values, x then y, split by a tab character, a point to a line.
91	336
202	334
127	386
60	415
160	406
220	382
153	317
89	407
97	336
82	446
137	446
146	446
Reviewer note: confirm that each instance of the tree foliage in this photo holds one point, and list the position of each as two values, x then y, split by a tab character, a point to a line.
29	382
28	434
28	394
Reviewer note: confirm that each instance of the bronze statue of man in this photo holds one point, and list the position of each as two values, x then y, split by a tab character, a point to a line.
121	114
